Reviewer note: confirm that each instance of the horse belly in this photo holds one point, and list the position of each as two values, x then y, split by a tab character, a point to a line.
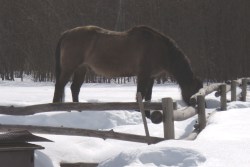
114	57
110	66
114	69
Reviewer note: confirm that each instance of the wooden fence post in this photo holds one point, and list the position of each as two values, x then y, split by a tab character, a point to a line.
175	105
141	107
156	116
201	112
233	90
78	164
244	90
223	98
168	118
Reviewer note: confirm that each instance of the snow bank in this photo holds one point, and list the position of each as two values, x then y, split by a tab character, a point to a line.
155	156
224	142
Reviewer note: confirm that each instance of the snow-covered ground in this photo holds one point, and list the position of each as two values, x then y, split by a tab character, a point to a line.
225	142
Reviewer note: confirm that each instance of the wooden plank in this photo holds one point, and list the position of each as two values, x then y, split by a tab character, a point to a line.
238	82
185	113
33	109
168	119
141	107
179	115
78	164
81	132
218	93
204	91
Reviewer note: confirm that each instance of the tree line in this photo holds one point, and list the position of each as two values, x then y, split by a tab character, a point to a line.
213	34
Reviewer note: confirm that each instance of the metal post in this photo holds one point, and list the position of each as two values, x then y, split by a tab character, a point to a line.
168	119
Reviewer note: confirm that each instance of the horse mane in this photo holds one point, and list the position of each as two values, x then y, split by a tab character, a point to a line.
155	32
179	59
96	29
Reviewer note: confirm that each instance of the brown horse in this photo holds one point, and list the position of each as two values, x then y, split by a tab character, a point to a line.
140	51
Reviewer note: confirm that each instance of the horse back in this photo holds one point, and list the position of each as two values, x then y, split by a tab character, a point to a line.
111	53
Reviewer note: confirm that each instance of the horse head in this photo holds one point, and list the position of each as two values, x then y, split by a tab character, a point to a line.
191	88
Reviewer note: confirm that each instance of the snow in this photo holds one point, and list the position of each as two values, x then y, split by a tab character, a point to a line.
224	141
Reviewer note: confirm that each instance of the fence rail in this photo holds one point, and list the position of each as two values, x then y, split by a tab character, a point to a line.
34	109
82	132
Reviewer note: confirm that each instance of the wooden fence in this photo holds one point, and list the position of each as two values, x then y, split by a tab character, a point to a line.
168	115
166	106
198	106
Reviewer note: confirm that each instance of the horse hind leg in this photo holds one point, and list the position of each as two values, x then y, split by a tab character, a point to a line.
60	84
142	85
78	79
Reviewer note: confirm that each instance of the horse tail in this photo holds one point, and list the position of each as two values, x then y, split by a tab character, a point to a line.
58	59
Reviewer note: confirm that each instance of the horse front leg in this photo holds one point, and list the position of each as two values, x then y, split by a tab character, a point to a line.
148	95
144	86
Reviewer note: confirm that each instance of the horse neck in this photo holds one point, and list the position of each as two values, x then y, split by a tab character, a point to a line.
180	68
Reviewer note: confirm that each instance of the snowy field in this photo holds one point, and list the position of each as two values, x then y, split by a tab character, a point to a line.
225	142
